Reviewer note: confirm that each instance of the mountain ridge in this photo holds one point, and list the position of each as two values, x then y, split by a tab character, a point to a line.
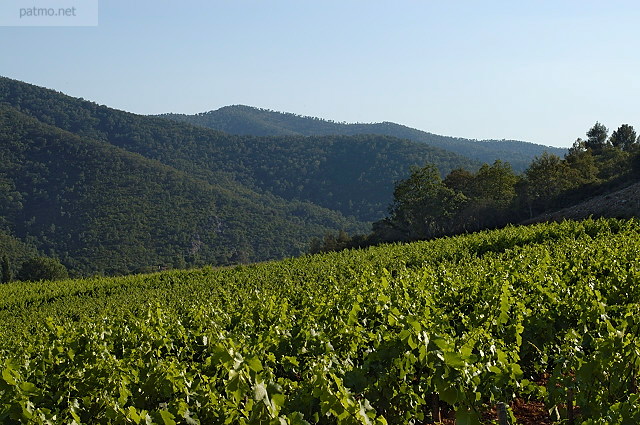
249	120
103	209
350	174
110	192
147	191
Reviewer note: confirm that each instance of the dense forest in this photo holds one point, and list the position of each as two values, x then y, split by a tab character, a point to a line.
426	206
352	175
100	209
240	119
109	192
13	253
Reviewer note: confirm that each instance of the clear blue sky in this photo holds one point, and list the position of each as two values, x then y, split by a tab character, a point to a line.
542	71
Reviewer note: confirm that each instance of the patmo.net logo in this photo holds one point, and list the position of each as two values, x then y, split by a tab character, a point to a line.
28	12
49	13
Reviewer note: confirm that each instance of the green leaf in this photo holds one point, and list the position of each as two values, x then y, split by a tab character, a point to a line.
278	400
502	357
353	314
297	418
441	344
167	417
415	324
254	364
466	416
28	388
412	343
495	369
380	420
132	414
454	360
7	375
449	395
73	409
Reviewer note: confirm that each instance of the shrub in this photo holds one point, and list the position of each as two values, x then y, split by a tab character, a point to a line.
42	268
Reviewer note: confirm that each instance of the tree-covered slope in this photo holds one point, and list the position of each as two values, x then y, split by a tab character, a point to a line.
622	203
100	208
239	119
15	251
353	175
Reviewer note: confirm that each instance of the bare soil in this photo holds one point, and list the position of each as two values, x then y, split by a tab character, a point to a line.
623	203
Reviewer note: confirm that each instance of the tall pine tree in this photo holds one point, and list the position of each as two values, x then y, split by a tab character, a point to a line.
6	270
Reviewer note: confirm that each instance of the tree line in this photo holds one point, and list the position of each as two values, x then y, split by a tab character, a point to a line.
33	269
426	206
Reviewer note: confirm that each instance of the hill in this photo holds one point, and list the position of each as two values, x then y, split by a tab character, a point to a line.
15	250
353	175
622	203
102	209
240	119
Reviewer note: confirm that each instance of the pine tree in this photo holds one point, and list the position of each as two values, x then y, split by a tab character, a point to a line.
624	137
597	137
6	270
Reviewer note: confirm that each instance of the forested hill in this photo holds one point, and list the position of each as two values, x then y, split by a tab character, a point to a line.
353	175
106	191
246	120
101	209
15	250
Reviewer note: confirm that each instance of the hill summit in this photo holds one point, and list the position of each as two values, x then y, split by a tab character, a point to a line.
247	120
111	192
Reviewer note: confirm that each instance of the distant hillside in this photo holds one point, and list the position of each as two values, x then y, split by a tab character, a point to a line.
353	175
101	209
16	250
247	120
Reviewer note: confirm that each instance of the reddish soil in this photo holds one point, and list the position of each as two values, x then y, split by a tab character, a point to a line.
526	413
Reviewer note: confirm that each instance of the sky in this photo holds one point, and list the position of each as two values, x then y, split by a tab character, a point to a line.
540	71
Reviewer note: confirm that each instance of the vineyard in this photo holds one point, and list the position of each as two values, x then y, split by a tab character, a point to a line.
396	334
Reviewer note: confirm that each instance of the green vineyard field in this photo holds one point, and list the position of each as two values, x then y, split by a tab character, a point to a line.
547	313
